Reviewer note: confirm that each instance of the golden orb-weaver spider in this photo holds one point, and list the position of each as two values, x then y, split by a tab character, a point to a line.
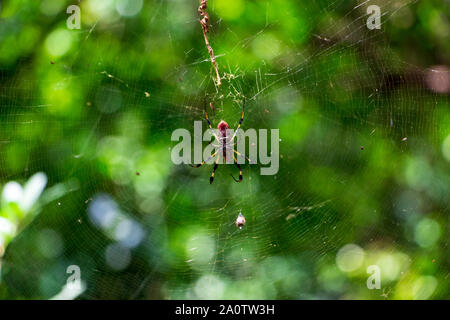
224	143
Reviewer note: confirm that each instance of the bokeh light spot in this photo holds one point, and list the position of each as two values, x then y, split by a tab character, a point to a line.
209	287
200	248
427	232
446	148
51	7
117	256
129	233
128	8
266	46
59	42
350	257
229	9
438	79
424	287
103	211
50	243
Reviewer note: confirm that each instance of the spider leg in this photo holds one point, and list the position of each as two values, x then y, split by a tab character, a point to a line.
210	127
240	170
240	122
243	156
229	145
211	179
205	161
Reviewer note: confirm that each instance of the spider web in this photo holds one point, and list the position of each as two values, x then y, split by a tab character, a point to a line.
138	226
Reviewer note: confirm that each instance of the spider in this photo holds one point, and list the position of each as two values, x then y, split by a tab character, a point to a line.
224	143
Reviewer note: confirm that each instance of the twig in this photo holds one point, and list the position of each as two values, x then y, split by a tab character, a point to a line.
205	28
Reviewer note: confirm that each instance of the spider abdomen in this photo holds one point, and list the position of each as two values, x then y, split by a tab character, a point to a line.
222	132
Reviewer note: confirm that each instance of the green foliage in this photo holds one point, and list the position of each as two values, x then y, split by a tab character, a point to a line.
364	150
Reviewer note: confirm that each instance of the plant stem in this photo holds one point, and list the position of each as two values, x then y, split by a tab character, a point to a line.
204	22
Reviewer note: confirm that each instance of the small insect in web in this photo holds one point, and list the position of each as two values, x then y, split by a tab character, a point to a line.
225	142
240	220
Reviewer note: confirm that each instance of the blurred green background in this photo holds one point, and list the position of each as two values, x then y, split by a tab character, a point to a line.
87	180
